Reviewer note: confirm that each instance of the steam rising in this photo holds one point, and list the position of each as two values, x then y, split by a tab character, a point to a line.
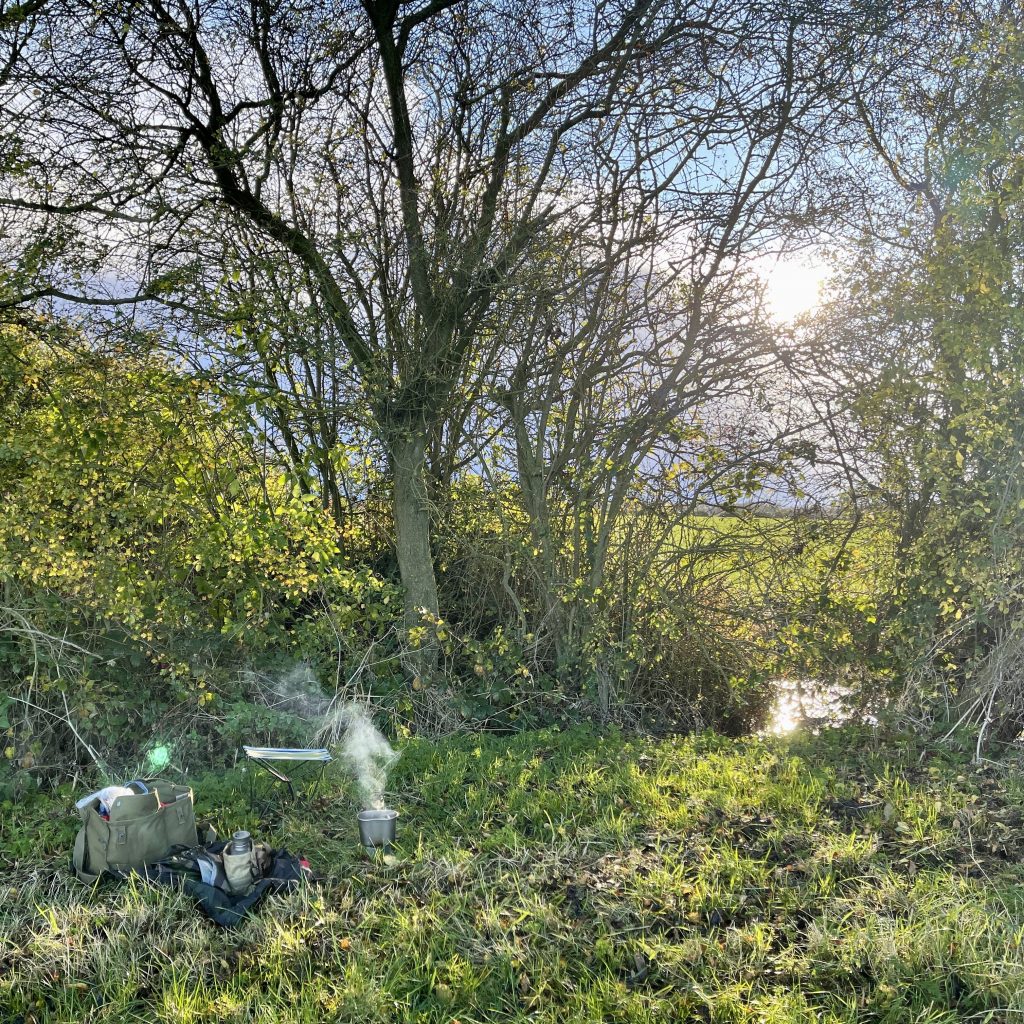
344	725
367	752
295	691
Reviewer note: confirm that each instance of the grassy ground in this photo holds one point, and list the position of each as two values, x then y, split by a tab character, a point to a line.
569	877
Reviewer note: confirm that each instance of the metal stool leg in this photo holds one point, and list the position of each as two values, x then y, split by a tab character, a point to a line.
278	776
305	778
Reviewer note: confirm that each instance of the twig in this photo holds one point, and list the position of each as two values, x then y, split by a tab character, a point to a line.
66	719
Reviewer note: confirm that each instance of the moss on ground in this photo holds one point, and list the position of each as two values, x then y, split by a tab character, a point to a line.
567	877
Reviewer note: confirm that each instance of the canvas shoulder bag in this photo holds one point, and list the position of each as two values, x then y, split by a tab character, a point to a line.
142	829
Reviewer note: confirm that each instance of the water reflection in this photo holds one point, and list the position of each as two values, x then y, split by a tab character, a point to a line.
810	704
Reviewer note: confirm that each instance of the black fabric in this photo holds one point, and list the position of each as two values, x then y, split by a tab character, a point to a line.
180	870
225	908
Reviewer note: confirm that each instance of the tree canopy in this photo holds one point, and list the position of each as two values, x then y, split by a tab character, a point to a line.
431	343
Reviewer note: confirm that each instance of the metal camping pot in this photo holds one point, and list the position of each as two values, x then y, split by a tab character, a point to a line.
377	828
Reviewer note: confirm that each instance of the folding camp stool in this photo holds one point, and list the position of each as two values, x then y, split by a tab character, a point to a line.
311	764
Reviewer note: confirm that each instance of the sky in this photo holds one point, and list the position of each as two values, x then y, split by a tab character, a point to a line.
793	285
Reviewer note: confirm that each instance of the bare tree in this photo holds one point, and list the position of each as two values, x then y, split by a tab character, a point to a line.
404	156
406	161
639	327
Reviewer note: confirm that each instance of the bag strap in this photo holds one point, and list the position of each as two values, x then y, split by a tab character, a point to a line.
80	857
159	780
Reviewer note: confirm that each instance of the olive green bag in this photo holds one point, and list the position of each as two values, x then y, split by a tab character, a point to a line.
141	830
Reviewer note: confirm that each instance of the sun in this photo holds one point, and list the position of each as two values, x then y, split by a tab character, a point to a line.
793	286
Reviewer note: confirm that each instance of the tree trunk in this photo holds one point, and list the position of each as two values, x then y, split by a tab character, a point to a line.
412	537
533	486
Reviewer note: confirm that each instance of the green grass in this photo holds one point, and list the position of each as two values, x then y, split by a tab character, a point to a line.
568	877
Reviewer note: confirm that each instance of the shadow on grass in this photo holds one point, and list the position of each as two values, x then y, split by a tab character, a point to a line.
549	788
570	875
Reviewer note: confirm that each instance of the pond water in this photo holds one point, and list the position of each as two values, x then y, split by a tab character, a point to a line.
810	704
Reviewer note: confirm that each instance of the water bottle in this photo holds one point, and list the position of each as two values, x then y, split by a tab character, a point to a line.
237	858
241	842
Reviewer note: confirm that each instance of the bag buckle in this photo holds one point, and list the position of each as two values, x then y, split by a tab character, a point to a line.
122	835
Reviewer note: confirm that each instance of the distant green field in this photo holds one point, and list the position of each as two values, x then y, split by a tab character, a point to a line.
750	556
